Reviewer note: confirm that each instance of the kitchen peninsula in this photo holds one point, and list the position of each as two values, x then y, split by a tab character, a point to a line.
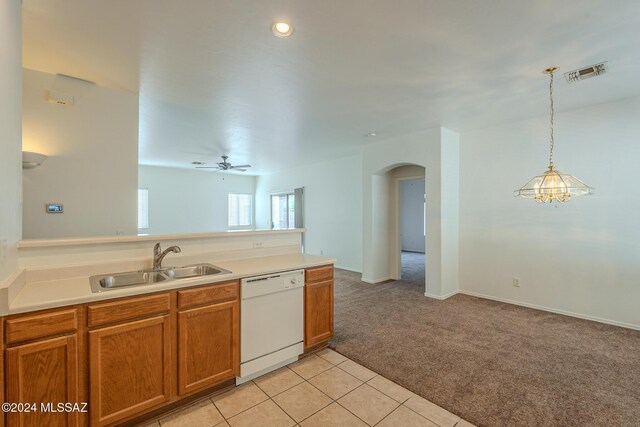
165	343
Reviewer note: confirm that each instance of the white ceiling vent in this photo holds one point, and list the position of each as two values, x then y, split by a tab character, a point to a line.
586	72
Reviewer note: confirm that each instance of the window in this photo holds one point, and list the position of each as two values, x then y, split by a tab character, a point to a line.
240	211
143	208
283	211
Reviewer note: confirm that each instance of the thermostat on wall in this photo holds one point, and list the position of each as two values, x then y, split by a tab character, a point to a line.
55	208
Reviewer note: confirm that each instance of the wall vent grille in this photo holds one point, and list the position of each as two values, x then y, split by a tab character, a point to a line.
586	72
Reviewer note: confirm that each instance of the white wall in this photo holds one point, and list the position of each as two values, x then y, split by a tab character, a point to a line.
190	201
93	159
10	134
449	211
435	150
580	257
412	215
332	209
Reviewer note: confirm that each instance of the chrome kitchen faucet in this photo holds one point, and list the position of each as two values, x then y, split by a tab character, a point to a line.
159	255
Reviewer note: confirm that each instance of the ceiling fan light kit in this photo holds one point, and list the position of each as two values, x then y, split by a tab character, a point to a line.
553	185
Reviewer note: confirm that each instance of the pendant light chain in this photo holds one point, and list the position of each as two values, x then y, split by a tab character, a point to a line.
552	112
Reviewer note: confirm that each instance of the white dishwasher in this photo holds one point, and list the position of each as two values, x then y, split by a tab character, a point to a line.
271	322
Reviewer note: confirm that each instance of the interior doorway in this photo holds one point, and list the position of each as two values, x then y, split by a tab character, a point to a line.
412	210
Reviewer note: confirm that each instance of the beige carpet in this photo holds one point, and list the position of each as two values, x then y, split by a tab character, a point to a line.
491	363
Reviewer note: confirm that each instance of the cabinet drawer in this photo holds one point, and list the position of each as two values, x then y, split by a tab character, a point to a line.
42	325
319	274
225	291
130	308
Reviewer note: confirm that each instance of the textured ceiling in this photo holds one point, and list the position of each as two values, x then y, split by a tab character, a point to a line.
213	79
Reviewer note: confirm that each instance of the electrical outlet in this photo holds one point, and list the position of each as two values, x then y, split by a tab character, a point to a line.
516	282
258	243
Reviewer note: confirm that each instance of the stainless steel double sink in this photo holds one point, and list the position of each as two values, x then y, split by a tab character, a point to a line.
105	282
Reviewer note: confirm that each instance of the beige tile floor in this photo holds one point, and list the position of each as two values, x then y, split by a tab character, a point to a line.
325	389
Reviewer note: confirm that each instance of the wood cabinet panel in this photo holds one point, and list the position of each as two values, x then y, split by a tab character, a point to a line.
43	372
30	327
319	274
318	312
208	295
208	346
127	309
129	368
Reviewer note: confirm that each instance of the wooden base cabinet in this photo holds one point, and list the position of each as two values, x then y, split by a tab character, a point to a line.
318	306
129	368
208	346
131	356
43	372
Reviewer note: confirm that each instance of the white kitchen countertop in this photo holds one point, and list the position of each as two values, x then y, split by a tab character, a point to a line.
39	295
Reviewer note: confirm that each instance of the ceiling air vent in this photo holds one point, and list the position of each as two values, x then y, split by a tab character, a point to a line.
586	72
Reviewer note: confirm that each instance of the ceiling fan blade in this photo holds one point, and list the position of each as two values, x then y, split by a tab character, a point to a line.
239	170
239	166
208	167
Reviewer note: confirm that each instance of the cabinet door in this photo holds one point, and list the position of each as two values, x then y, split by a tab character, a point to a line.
129	368
208	346
318	312
43	372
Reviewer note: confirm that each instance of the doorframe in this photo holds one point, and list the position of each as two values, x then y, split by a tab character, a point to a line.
396	261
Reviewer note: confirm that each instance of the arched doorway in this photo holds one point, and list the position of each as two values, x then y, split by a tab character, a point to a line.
387	214
436	150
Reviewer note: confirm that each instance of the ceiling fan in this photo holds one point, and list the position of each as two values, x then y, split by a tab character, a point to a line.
224	165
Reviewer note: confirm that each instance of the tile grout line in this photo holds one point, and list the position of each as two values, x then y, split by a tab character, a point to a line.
332	400
345	372
348	410
315	411
295	423
401	403
288	388
288	415
315	375
388	415
271	397
244	410
406	388
427	418
363	381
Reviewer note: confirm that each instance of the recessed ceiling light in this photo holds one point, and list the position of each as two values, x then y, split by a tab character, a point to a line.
371	134
282	29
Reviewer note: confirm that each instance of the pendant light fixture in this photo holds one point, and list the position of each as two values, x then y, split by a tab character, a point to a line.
553	185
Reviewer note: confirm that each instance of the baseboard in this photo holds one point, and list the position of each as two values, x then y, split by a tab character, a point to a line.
372	281
553	310
440	297
354	270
